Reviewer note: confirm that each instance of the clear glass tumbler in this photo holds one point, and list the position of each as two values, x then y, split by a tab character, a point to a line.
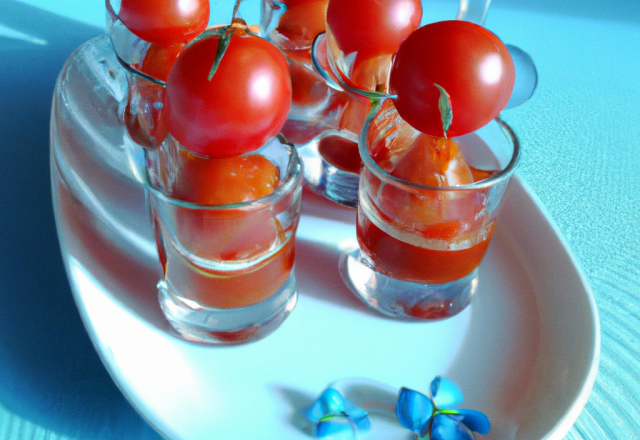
325	120
291	26
419	245
228	268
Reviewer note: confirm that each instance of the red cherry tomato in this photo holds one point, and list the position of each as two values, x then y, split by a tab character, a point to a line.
372	28
307	89
467	60
245	103
145	116
303	21
158	60
341	153
165	21
224	181
232	233
433	161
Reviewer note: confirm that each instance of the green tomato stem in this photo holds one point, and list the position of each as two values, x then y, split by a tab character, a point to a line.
446	112
223	44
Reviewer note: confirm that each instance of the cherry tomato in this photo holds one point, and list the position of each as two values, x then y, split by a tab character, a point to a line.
432	161
145	116
165	21
159	60
307	89
372	28
303	21
479	174
229	233
225	181
245	103
341	153
425	160
469	62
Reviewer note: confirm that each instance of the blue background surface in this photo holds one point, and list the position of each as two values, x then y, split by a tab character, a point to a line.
581	138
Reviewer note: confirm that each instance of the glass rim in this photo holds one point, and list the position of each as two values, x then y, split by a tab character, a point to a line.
293	175
493	180
343	82
113	18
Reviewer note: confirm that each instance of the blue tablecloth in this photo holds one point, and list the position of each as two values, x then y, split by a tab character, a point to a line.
581	137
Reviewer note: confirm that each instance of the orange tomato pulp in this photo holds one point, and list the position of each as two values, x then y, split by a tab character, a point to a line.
421	235
213	264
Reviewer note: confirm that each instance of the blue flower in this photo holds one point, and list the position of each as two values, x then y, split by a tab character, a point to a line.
434	418
333	415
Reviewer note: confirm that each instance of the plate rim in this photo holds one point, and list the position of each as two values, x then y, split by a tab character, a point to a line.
575	409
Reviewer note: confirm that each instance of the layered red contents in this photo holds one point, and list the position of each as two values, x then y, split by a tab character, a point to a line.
435	233
412	262
226	286
219	242
226	254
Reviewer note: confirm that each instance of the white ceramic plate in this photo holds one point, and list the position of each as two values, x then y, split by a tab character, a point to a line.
525	352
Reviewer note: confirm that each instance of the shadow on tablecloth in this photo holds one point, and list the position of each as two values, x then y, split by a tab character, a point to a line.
51	375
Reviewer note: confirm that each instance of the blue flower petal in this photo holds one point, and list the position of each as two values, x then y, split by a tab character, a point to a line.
332	401
448	427
329	402
475	420
358	416
435	384
336	428
342	414
445	393
413	409
315	412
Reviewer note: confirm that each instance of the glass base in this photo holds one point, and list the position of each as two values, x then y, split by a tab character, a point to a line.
326	179
228	326
404	299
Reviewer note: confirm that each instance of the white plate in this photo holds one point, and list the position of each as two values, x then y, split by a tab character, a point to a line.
525	352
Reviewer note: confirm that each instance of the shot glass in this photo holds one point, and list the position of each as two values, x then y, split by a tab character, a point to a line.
420	246
325	120
145	113
292	26
142	113
228	269
358	64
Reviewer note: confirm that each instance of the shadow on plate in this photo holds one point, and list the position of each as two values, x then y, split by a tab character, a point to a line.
502	343
51	375
298	402
318	276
